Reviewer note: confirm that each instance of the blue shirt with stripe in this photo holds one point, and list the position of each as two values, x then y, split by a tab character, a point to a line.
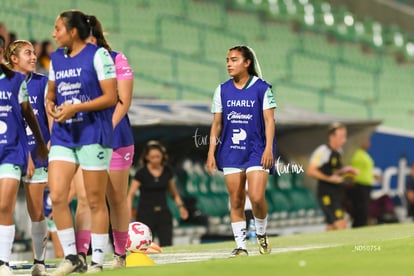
36	88
76	80
243	137
13	140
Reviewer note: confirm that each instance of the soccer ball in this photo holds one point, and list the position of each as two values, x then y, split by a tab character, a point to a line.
139	237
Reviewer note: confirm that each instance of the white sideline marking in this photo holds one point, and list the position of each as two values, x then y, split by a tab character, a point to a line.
166	258
181	257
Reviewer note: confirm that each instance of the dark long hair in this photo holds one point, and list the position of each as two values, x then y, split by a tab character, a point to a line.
247	55
150	146
97	33
3	68
75	19
6	70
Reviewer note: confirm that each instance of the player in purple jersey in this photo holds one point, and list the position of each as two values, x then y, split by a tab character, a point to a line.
120	165
242	143
21	57
14	106
81	91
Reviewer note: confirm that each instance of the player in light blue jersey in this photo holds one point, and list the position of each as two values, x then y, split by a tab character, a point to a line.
81	92
242	142
21	57
14	108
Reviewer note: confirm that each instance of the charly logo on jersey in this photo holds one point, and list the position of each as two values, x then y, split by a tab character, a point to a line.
5	95
69	73
239	134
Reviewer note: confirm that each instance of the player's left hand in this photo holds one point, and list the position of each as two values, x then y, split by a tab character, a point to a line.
267	159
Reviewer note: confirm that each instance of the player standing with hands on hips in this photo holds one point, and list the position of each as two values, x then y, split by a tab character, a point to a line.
81	90
242	143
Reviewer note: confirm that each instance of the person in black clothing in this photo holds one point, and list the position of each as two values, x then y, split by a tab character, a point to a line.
153	180
325	165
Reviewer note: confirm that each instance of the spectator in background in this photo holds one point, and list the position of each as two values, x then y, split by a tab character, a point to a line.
359	193
154	179
325	166
37	48
2	46
12	37
5	34
409	192
46	48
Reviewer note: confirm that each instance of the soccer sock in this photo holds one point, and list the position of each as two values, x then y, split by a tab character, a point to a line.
39	238
261	225
68	241
120	239
99	242
83	239
6	241
239	232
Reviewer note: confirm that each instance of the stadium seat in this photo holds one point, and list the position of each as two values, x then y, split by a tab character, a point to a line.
279	206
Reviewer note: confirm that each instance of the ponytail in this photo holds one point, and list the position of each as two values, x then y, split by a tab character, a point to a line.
98	34
255	63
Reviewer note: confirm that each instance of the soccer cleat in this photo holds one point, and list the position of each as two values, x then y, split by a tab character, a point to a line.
263	242
83	265
118	262
39	270
94	268
238	252
5	270
70	264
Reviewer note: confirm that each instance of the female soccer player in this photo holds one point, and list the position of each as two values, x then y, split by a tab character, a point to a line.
244	128
121	161
81	89
14	150
21	57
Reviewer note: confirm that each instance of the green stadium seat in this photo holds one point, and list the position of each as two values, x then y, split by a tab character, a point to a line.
279	205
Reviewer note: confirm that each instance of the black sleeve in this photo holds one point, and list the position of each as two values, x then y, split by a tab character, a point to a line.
139	174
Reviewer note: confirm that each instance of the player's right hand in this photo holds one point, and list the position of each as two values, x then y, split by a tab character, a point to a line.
211	166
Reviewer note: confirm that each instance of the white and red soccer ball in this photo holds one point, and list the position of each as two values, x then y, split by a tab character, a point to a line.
139	237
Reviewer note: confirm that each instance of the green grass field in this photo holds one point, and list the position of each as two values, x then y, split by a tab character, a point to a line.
375	250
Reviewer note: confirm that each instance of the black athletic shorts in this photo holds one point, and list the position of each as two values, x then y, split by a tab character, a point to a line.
331	201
